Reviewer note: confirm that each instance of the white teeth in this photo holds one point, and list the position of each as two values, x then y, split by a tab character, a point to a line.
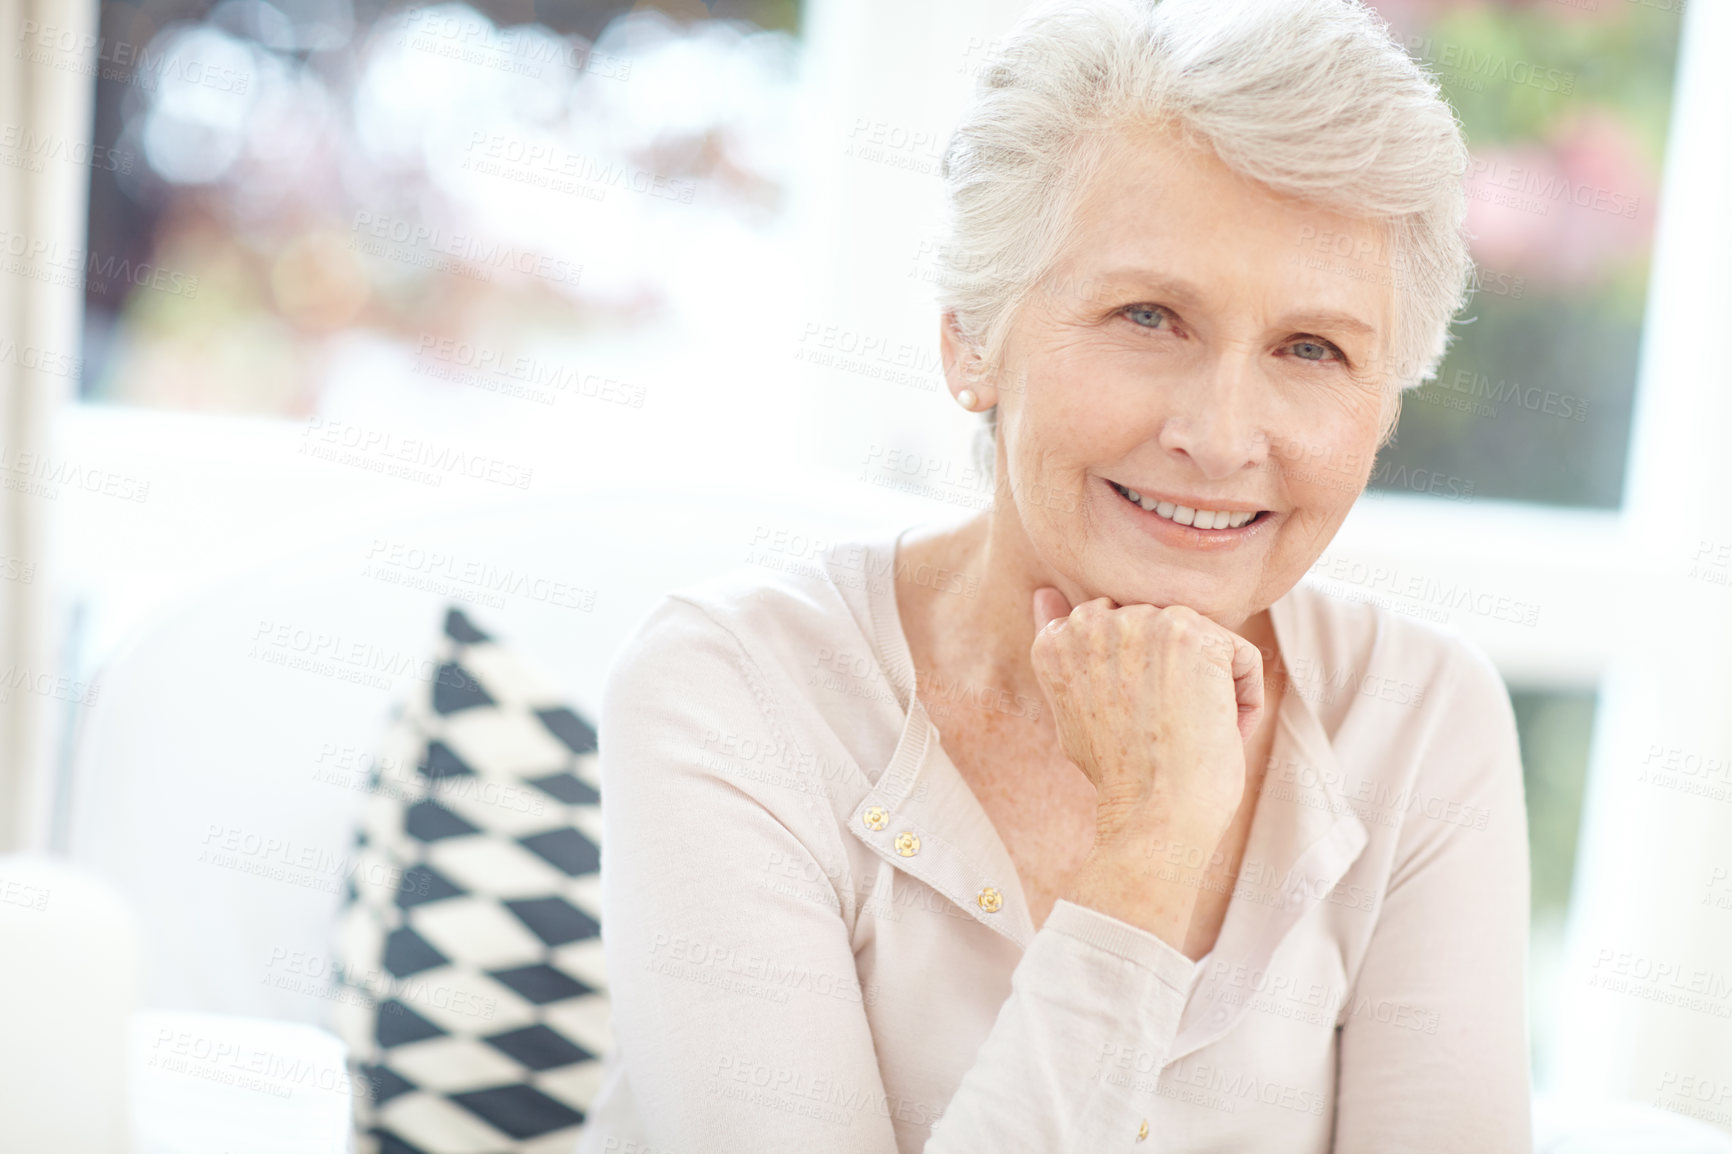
1185	515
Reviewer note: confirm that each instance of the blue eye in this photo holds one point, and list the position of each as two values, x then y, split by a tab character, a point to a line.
1312	350
1137	313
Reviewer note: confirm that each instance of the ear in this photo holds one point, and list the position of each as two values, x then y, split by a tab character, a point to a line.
962	361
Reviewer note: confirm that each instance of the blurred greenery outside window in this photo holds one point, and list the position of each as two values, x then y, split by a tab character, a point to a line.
1565	104
1555	729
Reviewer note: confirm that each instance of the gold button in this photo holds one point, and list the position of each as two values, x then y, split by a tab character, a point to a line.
990	900
907	844
1143	1130
875	817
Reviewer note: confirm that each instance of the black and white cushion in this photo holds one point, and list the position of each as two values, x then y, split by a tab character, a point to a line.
475	1008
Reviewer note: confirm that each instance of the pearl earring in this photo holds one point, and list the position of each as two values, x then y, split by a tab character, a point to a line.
967	399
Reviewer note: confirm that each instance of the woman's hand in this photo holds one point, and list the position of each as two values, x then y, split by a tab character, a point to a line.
1155	706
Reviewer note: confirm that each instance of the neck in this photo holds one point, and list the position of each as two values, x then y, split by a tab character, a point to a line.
985	638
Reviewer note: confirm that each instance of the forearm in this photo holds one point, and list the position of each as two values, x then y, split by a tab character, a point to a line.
1088	992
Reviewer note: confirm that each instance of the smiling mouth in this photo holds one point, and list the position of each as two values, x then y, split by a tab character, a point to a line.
1210	519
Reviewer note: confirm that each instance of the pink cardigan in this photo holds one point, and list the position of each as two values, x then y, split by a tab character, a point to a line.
817	943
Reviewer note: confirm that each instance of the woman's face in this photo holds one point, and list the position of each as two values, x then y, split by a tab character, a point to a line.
1212	347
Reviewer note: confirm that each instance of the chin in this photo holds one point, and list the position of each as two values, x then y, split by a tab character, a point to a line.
1192	594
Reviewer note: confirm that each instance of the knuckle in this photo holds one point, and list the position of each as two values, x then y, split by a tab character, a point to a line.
1181	623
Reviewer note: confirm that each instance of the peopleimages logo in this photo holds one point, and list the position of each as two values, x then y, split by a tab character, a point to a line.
1534	399
433	247
1476	66
124	61
345	443
46	260
33	148
42	475
1546	186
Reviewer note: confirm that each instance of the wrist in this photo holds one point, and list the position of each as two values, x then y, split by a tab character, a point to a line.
1166	829
1130	883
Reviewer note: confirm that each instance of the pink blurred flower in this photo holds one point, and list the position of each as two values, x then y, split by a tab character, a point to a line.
1563	211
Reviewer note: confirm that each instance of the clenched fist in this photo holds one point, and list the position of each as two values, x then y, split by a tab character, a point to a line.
1154	705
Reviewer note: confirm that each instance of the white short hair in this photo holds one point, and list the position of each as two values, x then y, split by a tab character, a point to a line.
1310	98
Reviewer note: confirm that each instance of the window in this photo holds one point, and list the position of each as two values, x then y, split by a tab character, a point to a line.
1565	105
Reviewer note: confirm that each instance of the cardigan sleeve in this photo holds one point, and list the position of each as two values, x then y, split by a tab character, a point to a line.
738	1018
1434	1052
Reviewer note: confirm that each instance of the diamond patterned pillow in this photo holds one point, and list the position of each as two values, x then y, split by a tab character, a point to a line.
475	1008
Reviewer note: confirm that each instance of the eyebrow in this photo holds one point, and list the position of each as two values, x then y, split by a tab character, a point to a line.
1182	290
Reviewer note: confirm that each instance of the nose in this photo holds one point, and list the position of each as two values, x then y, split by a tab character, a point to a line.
1213	421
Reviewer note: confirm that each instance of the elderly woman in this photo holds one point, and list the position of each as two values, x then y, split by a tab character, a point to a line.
1080	825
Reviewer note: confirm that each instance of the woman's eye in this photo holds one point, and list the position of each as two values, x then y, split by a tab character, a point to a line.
1313	350
1146	315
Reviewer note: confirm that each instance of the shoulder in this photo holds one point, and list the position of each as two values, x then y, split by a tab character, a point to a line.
1372	655
716	686
769	613
1418	717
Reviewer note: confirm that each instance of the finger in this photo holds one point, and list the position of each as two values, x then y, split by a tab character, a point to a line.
1247	684
1049	605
